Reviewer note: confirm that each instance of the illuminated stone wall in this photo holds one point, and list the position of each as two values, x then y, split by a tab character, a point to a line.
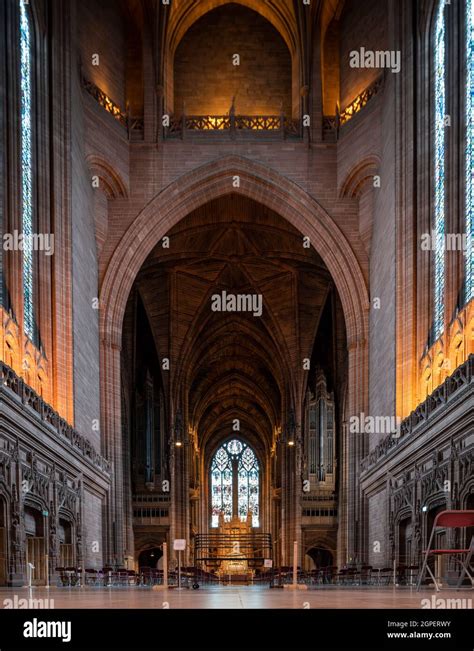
206	79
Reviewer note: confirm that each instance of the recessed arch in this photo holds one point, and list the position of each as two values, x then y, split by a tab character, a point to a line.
197	188
279	14
359	176
183	16
109	179
257	182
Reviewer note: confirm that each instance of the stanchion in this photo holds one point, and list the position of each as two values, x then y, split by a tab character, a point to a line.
46	560
295	563
165	565
31	567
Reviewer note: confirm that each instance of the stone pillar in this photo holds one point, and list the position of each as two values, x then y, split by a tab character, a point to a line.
112	445
356	446
179	489
63	69
291	453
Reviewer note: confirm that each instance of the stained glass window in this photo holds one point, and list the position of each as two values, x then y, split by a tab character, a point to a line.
26	169
235	483
221	486
439	170
469	169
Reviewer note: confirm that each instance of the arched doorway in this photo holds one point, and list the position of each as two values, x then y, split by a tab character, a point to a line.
150	558
35	545
319	557
405	532
66	546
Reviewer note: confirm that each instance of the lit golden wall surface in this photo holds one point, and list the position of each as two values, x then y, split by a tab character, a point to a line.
447	353
17	351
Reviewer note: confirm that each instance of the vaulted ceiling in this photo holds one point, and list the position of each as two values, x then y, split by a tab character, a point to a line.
227	365
280	13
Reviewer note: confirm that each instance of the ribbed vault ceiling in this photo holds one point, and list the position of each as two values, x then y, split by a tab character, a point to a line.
230	365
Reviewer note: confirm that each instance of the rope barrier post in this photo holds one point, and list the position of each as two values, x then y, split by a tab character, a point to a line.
46	560
165	565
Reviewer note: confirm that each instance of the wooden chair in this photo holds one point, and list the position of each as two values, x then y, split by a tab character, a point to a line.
401	574
63	577
365	574
385	575
330	574
91	576
342	576
145	575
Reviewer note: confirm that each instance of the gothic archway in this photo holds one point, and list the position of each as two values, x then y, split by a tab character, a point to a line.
233	174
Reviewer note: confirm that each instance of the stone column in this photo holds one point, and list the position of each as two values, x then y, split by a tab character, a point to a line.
356	445
291	452
112	444
179	489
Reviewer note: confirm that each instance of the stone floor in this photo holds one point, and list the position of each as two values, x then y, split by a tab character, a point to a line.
235	597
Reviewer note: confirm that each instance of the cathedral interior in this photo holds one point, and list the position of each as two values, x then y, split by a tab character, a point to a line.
236	290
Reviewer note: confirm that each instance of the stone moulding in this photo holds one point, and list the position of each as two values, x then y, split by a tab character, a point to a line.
10	381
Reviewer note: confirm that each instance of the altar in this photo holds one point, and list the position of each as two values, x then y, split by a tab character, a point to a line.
235	565
234	551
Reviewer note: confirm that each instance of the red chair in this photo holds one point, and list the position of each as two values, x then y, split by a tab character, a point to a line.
449	520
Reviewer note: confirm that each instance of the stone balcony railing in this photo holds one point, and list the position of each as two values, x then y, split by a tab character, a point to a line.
272	126
361	100
233	126
269	126
153	499
332	123
133	125
147	514
462	378
319	497
10	381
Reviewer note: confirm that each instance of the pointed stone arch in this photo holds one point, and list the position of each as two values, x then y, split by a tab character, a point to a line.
158	217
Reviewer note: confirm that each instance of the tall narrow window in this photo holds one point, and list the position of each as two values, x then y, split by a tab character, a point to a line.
26	169
235	483
469	167
439	171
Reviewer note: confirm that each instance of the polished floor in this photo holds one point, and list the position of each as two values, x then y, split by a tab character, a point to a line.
234	597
